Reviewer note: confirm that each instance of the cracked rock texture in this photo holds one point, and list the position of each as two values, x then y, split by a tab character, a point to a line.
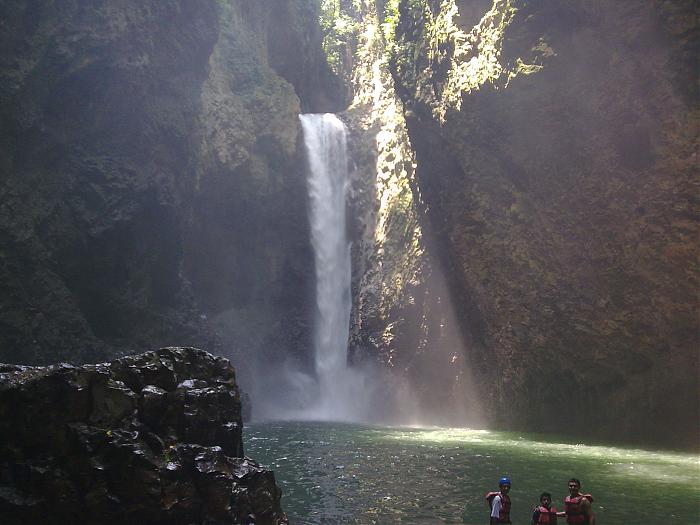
153	438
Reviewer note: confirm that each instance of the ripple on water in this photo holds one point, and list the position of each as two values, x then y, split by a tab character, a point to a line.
340	473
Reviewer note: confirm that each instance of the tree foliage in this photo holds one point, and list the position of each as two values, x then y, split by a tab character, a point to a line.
339	26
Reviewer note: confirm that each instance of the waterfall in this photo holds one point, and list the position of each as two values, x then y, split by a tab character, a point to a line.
339	386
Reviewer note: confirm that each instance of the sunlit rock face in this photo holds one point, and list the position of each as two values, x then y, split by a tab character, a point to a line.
402	316
152	189
556	150
152	438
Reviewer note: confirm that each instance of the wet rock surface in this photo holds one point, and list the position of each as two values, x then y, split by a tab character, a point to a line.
150	439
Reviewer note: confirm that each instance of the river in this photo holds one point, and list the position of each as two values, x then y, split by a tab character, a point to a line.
333	473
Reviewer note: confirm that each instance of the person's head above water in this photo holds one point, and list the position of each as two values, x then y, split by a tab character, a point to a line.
574	486
546	499
504	484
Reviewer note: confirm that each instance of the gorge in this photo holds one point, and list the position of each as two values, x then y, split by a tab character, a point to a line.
511	243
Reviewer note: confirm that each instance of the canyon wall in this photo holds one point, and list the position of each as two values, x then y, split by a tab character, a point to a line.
152	187
402	315
556	152
524	200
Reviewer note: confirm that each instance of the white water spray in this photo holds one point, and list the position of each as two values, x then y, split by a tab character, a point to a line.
341	391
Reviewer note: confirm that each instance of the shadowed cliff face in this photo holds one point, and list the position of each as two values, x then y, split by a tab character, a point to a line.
96	107
151	181
556	156
247	249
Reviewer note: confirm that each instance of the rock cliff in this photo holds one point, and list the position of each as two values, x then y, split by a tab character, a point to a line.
524	195
556	150
153	439
402	314
152	190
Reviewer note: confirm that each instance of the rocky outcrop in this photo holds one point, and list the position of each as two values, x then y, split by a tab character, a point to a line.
556	150
153	439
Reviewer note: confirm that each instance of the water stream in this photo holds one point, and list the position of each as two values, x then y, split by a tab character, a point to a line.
340	389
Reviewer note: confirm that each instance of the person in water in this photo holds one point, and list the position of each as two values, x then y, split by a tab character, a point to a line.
544	512
500	503
577	506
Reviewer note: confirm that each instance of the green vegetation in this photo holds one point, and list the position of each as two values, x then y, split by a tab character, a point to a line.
339	26
390	19
343	23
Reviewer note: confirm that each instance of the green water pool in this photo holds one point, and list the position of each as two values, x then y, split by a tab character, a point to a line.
333	473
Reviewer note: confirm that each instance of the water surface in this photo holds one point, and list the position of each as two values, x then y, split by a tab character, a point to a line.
333	473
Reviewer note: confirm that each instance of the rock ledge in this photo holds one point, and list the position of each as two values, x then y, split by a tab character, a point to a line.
153	439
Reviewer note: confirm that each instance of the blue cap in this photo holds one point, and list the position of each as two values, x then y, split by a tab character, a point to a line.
503	481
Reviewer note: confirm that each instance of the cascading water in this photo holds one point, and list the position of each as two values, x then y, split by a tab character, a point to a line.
340	387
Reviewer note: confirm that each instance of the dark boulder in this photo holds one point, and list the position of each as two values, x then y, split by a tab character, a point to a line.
150	439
